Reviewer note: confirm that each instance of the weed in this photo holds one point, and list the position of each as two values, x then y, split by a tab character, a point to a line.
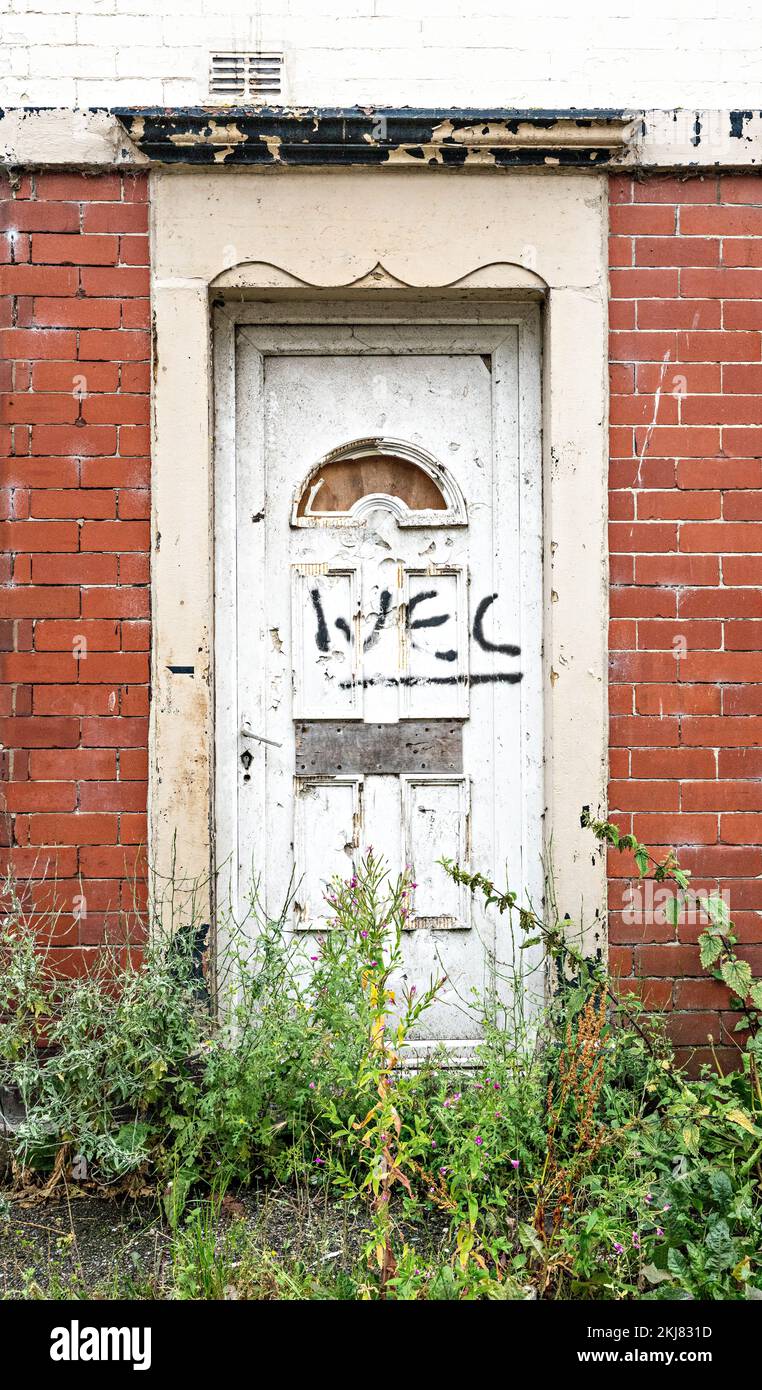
570	1159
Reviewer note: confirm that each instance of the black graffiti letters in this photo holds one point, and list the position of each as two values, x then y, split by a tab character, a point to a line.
321	632
383	609
413	624
435	621
488	678
483	641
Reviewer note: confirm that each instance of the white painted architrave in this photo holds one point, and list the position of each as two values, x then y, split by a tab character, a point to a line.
476	268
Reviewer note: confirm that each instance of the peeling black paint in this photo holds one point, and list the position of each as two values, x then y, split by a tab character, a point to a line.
737	119
306	136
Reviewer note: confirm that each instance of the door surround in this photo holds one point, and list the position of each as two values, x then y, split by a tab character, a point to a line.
390	243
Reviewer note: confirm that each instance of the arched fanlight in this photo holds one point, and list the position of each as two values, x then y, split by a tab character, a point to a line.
366	474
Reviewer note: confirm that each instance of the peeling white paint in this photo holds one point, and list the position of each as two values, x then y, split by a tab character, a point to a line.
65	137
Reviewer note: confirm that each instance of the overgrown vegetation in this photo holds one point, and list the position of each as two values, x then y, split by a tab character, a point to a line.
572	1160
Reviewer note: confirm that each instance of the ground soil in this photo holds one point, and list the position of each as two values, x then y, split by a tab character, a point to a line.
82	1245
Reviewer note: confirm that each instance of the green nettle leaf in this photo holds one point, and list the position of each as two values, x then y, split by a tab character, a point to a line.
756	994
677	1264
737	976
529	1238
717	910
721	1251
721	1187
711	949
739	1117
692	1138
673	909
575	1000
641	859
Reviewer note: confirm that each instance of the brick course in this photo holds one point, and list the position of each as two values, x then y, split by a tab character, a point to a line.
686	564
75	353
685	549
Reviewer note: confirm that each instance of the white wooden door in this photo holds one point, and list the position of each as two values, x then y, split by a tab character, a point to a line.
388	627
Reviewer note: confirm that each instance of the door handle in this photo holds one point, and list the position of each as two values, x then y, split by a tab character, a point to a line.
248	732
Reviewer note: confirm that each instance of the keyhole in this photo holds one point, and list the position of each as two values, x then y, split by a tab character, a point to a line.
246	759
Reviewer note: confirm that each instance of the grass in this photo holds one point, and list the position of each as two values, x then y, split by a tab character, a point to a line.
282	1148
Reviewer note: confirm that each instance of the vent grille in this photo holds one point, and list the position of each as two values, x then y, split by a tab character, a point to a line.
246	76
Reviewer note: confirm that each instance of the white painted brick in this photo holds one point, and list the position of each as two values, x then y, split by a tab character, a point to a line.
181	92
430	64
462	32
197	31
162	62
14	62
81	61
674	36
449	9
214	32
57	7
120	92
119	31
32	29
339	34
186	8
700	53
335	9
48	91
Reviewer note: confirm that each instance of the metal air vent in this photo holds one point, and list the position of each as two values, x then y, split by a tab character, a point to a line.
255	77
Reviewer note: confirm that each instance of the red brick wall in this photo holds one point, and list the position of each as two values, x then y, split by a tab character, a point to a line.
686	570
74	357
686	539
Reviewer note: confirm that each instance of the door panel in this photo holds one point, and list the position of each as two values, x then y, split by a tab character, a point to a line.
327	681
436	643
381	656
436	817
328	827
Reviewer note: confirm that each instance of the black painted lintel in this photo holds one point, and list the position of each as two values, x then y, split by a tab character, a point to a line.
368	136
